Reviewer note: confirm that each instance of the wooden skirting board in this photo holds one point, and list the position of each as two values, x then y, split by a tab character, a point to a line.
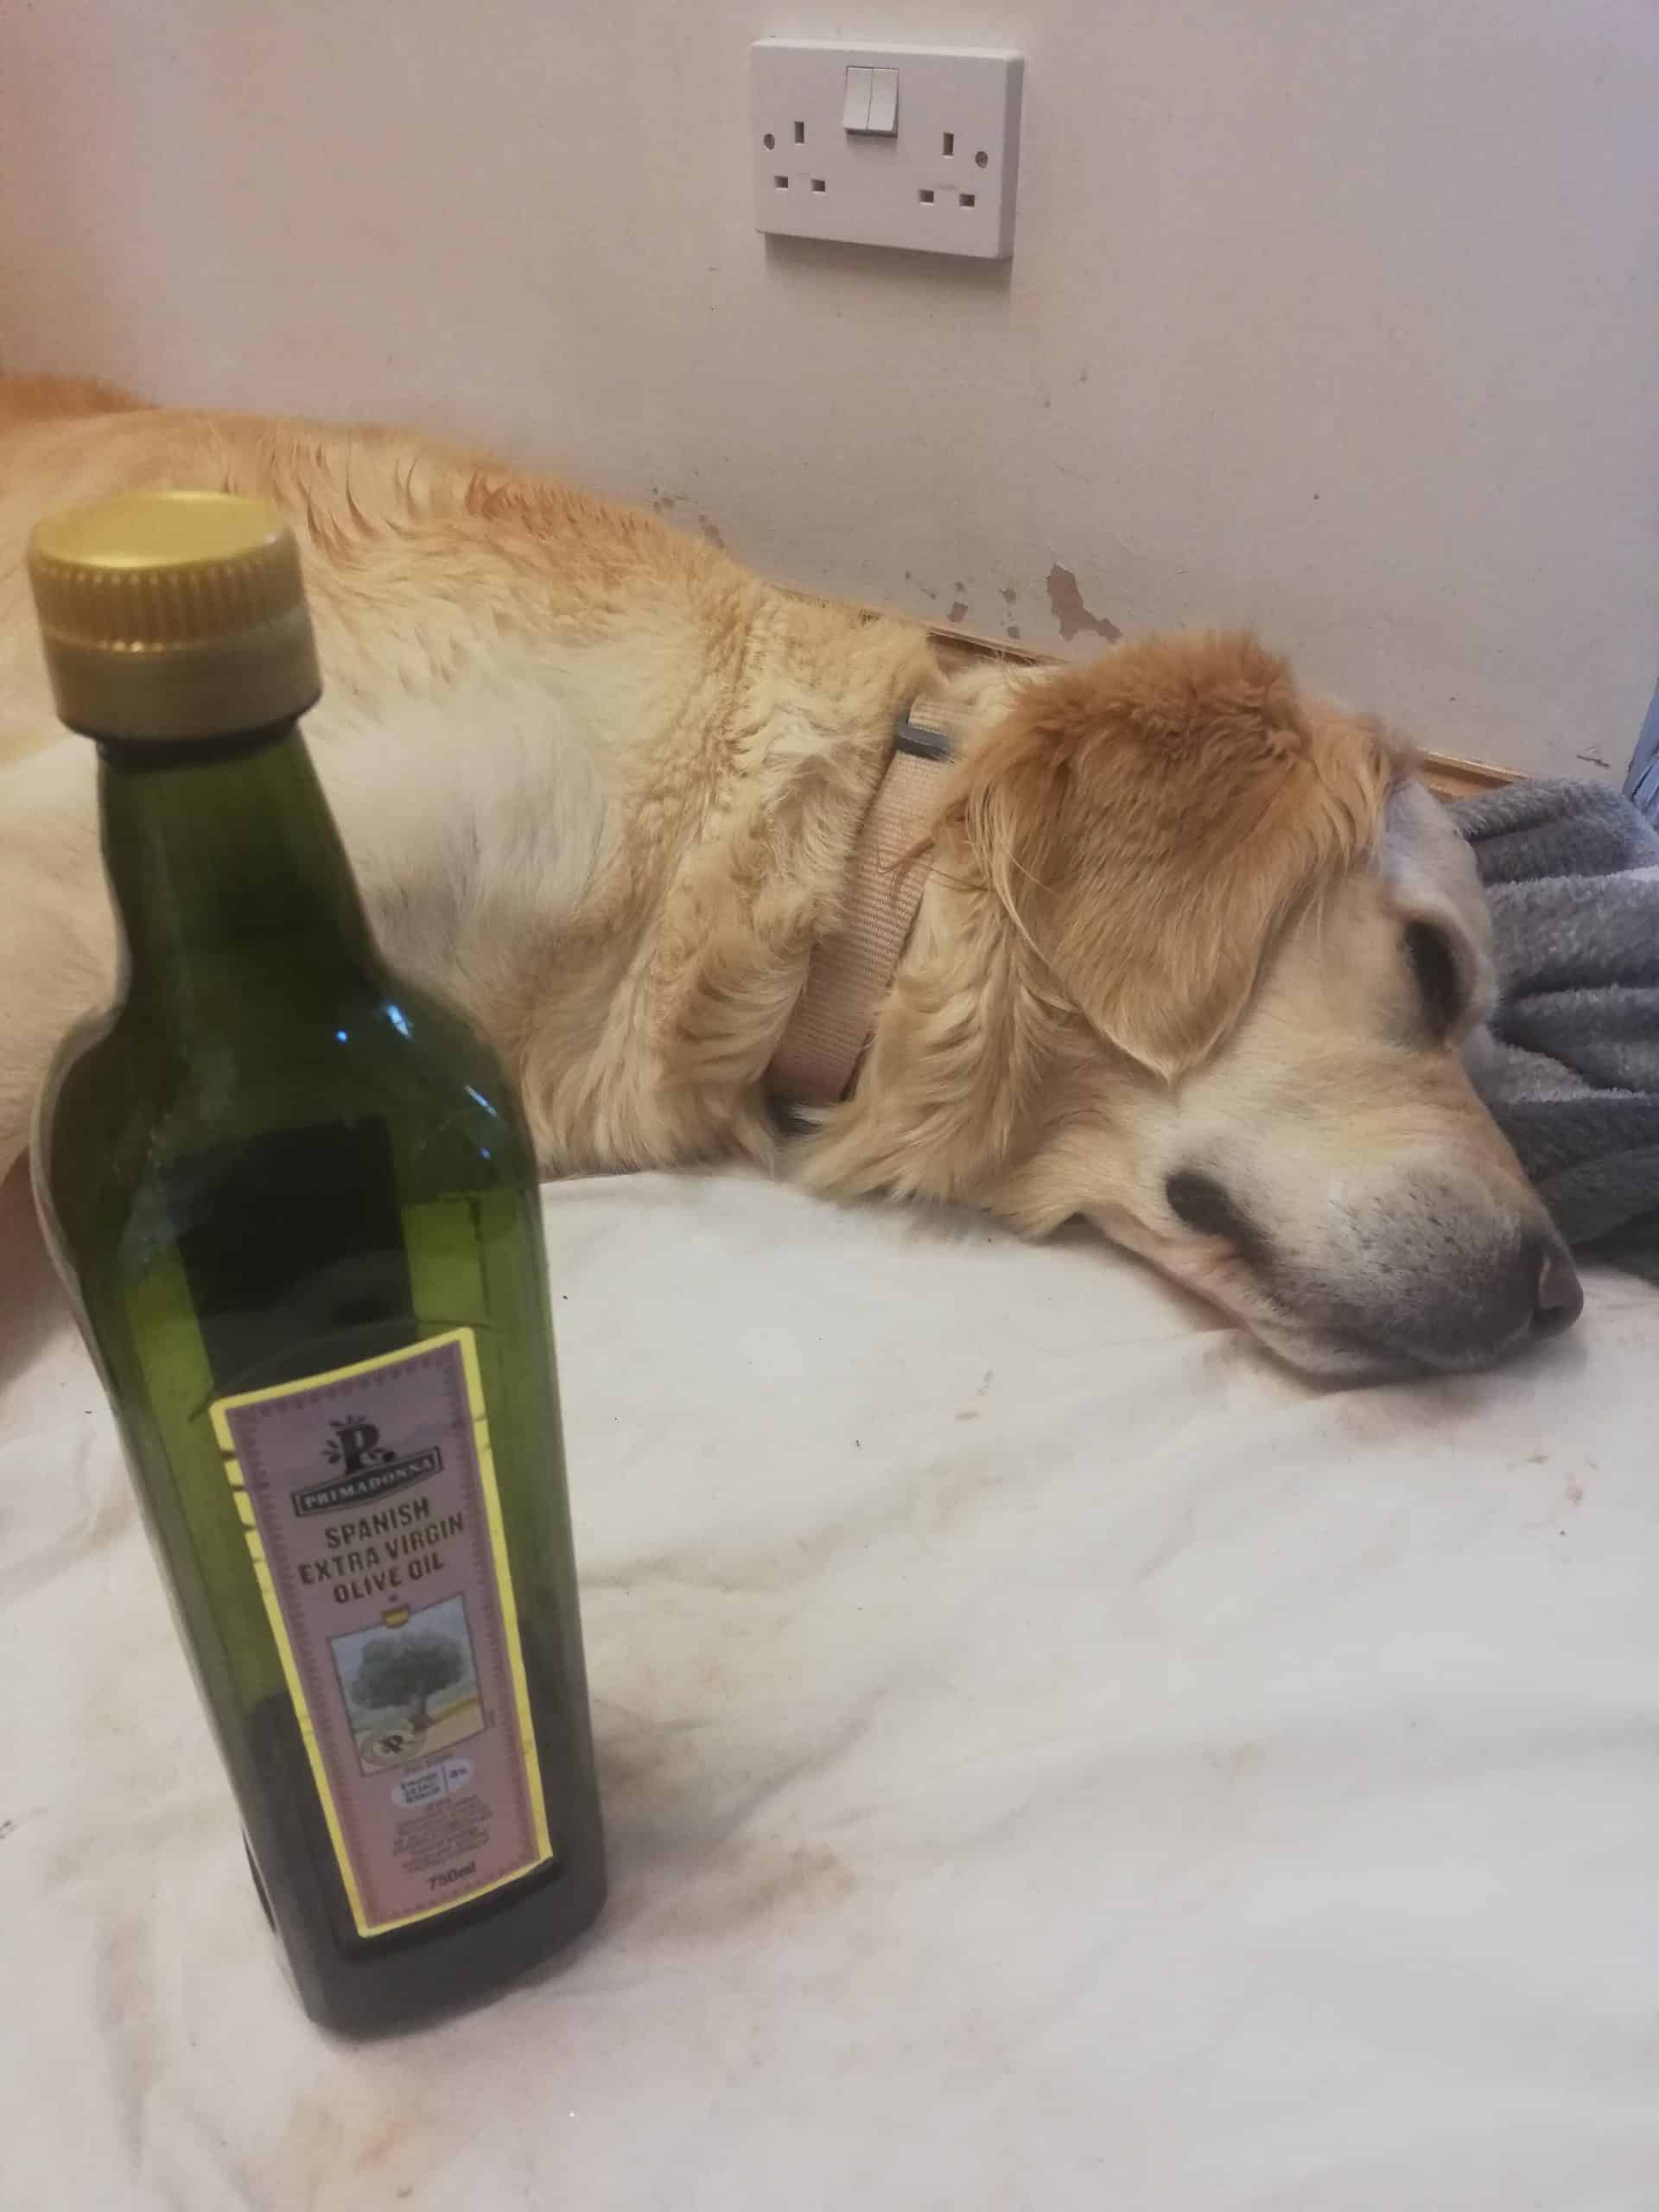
1445	773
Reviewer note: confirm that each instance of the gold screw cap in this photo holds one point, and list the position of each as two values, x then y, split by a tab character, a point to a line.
173	614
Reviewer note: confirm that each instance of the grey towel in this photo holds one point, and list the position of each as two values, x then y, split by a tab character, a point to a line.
1642	785
1571	1070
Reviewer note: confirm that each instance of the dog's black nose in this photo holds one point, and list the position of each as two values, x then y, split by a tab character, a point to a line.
1558	1296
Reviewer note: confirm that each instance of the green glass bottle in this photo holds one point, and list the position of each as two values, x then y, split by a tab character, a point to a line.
294	1201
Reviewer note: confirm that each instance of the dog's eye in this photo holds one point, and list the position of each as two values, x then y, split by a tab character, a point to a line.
1434	969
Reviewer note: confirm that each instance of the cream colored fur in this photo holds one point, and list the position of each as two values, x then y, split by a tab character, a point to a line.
600	786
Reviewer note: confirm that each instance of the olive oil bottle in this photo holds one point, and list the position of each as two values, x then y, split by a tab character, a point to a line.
294	1202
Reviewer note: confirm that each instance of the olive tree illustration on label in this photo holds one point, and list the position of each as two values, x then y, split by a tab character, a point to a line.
411	1684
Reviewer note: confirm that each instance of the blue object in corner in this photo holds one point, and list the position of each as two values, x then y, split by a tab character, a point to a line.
1642	785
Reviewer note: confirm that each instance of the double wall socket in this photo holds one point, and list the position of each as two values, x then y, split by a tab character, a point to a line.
900	145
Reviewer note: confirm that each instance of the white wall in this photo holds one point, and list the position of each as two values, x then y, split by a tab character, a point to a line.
1339	318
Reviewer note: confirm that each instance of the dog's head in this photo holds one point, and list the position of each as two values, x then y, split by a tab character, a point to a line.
1199	962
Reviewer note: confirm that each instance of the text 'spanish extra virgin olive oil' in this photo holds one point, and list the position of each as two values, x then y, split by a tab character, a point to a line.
294	1202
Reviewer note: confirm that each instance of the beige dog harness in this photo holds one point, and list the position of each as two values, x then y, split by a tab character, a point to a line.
852	968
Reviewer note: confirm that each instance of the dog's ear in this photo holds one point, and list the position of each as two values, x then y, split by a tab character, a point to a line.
1150	821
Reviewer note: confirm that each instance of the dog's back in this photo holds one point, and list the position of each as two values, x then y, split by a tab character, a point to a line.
27	404
549	723
44	399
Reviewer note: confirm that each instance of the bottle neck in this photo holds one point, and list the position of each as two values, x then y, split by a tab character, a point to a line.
229	877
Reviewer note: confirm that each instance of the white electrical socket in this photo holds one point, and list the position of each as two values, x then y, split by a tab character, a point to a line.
900	145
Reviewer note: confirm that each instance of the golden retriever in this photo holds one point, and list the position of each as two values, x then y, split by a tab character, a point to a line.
1195	958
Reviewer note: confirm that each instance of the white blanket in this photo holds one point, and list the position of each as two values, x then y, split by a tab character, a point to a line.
1051	1758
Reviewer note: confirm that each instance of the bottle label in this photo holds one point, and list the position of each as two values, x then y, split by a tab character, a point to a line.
369	1502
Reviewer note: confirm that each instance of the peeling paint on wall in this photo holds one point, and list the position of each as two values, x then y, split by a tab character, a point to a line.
667	504
1065	602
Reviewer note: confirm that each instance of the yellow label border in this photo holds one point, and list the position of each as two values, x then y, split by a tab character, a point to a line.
485	1454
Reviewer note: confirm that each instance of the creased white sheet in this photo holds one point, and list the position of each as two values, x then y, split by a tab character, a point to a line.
1052	1758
